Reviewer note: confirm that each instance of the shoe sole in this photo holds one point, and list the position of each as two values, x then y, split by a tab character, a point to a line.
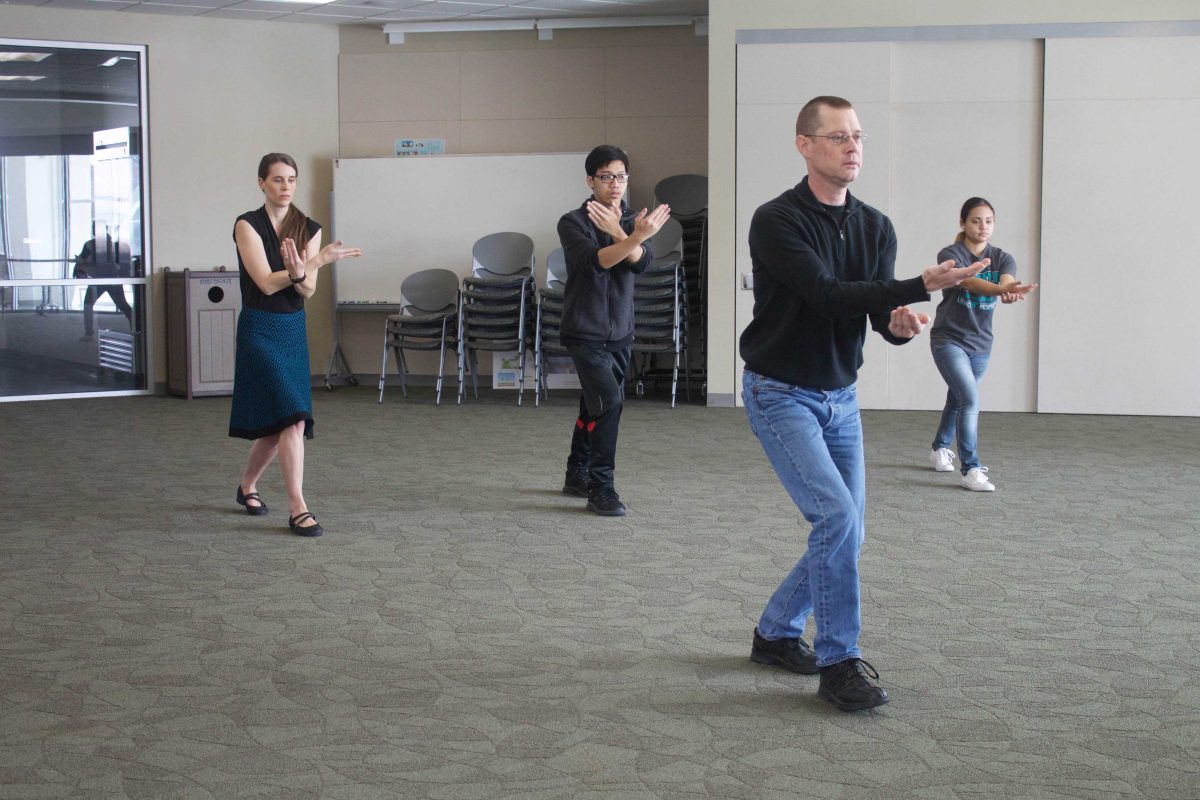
618	512
949	468
988	488
853	706
775	661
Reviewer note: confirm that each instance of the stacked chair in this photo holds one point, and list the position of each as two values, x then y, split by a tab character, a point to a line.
496	306
688	197
660	314
428	320
549	320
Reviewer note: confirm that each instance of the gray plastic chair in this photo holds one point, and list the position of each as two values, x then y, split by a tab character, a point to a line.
668	241
556	268
428	321
502	255
494	314
549	320
687	195
660	325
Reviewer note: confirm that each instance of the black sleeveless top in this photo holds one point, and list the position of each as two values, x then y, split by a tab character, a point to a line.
286	300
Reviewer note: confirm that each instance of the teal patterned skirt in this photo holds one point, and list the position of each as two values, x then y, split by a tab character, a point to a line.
272	389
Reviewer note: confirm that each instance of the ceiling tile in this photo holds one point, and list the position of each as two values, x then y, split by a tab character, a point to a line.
380	11
201	3
267	5
91	5
245	13
177	11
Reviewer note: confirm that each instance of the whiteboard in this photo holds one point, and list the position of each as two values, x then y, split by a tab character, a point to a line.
419	212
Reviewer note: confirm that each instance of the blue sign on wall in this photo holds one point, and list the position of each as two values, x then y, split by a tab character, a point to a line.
420	147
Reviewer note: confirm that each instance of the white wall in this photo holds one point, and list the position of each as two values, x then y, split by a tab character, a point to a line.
1118	321
222	93
728	17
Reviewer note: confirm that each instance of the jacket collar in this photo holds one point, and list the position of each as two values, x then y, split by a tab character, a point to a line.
853	204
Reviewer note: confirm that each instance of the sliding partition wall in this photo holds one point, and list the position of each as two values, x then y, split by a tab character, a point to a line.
1082	138
74	254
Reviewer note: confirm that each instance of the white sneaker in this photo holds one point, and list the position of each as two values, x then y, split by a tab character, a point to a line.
976	480
942	459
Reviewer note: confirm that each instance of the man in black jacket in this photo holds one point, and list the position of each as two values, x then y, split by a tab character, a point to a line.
604	244
824	263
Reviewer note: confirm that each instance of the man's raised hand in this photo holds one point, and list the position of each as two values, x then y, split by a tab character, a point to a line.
646	225
944	275
606	218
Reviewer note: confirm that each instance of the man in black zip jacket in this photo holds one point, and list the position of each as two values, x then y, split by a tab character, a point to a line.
824	264
604	245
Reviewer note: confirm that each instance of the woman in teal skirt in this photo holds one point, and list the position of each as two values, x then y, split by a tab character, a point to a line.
279	253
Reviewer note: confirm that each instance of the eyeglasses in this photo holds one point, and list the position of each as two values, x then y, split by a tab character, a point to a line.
608	177
840	139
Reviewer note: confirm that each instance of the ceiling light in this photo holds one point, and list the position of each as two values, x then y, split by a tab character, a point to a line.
8	55
302	2
21	77
545	27
395	30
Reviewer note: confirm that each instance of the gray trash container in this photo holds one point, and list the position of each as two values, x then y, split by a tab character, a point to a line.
202	311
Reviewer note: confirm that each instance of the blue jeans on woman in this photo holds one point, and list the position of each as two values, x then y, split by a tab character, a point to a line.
962	373
813	439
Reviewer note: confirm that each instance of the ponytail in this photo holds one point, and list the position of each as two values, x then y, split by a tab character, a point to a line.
295	227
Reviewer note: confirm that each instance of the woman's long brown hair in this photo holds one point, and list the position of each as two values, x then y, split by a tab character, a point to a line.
295	224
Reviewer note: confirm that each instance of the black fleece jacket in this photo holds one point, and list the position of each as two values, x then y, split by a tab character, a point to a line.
597	302
816	281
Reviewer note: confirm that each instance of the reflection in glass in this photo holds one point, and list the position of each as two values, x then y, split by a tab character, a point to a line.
64	351
72	256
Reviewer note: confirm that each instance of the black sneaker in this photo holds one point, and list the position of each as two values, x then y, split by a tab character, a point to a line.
793	655
847	684
605	502
576	484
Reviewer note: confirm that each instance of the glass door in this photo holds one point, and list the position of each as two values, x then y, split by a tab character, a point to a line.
73	255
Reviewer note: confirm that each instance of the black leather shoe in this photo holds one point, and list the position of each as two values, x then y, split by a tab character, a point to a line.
305	530
793	655
576	484
254	511
605	502
847	684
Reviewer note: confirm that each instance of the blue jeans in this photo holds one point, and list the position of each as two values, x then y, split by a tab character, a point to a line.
962	373
813	439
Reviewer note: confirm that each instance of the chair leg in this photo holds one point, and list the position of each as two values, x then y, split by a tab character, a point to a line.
441	366
474	371
674	378
402	368
521	373
383	364
462	386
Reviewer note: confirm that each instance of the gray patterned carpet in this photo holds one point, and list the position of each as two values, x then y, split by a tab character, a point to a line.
466	631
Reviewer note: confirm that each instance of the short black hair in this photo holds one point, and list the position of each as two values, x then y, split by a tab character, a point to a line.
809	117
605	154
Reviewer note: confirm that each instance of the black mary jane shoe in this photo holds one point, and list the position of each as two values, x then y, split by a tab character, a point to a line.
254	511
309	530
